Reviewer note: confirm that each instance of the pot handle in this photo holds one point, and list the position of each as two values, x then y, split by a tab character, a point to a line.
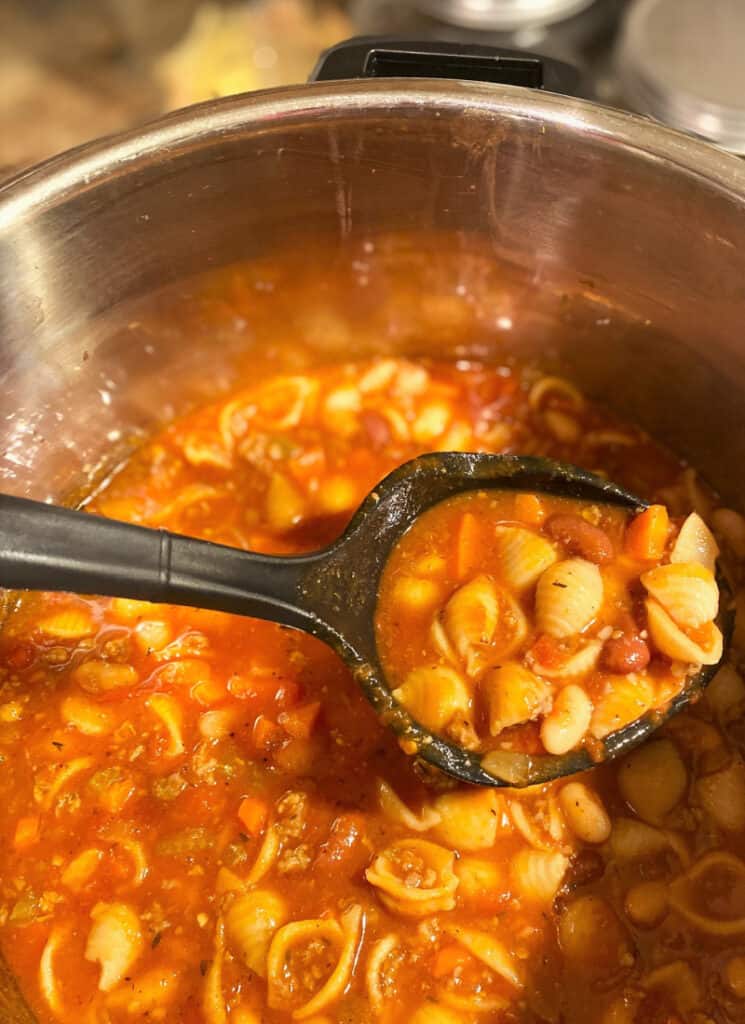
390	57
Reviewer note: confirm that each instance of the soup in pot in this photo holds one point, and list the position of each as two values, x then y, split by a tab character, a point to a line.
204	822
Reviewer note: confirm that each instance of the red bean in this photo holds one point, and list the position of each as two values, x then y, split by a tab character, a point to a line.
624	654
581	538
377	427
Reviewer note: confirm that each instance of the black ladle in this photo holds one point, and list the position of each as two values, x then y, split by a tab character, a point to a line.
331	594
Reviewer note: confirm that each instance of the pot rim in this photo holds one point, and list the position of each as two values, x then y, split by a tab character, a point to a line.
47	184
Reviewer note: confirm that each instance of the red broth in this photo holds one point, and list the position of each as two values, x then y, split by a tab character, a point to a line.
204	823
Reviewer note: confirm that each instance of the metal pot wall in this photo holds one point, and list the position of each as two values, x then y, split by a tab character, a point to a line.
634	226
623	243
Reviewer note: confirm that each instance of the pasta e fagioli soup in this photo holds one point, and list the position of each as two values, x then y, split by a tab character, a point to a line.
204	822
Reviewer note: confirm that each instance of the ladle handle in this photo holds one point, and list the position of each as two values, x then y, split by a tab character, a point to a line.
46	547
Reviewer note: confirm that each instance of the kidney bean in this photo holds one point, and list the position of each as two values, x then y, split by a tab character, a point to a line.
377	427
623	654
581	538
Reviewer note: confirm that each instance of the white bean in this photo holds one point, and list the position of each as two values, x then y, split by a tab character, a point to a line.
584	813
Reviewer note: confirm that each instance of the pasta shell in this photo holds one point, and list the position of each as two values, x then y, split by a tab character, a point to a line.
251	921
537	875
469	820
68	624
514	695
47	973
687	591
568	597
686	890
592	938
489	951
575	665
722	796
115	941
87	716
679	984
695	543
672	641
632	840
433	695
658	760
470	617
523	555
478	878
414	877
282	402
396	810
625	699
440	641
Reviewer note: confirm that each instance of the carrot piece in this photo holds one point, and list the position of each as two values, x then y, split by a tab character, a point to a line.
529	509
646	534
27	832
253	813
447	959
299	722
467	545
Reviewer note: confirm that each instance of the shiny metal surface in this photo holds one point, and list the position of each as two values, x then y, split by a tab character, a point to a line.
623	245
641	228
681	61
502	15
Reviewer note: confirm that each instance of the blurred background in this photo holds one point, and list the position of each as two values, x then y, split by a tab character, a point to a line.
72	70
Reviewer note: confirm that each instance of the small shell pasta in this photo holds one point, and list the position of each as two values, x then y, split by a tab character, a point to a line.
624	699
344	934
592	938
434	695
115	941
537	874
514	695
81	869
168	710
396	810
722	795
88	717
250	922
568	597
669	638
414	877
468	820
711	871
523	555
478	878
470	618
48	981
584	813
489	950
653	779
374	982
695	543
567	722
687	591
72	623
574	666
678	982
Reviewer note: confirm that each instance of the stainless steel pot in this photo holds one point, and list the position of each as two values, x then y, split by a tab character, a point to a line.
624	244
